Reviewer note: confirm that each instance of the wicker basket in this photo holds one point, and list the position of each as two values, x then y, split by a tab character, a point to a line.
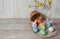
48	35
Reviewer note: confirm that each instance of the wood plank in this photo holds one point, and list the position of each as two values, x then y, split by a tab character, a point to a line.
20	29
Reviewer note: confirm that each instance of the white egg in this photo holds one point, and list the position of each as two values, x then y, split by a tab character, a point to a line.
51	29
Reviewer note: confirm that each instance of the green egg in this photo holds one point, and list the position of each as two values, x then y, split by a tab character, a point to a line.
42	27
42	32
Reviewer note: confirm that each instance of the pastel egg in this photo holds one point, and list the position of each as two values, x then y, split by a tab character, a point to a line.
48	25
39	21
41	24
42	32
35	29
42	27
51	29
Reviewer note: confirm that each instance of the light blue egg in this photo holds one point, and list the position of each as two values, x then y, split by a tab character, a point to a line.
35	29
48	24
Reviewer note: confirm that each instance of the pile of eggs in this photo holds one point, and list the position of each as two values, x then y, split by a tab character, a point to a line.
42	26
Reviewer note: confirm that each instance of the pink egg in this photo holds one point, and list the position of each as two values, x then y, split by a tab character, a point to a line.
42	24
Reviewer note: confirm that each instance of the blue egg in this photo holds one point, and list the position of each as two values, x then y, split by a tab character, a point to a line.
48	25
35	29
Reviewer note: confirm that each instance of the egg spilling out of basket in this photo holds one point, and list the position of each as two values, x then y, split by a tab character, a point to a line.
41	25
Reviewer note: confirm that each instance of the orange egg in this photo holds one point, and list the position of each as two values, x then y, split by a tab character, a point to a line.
39	21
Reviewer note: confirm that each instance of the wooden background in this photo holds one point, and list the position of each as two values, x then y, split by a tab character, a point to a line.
20	29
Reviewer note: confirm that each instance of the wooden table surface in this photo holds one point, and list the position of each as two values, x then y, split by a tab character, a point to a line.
20	29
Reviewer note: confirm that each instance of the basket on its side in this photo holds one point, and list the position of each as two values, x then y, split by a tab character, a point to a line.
35	15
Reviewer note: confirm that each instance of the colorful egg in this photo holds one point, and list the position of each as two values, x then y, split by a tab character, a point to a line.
39	21
42	32
50	29
35	29
42	24
48	25
42	27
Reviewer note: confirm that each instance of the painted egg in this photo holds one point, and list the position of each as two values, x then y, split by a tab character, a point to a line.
42	32
42	24
42	27
39	21
48	25
50	29
35	29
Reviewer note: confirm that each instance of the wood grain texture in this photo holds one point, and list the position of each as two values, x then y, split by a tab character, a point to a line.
20	29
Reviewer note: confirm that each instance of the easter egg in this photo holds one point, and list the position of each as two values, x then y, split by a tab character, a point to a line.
42	27
39	21
48	25
50	29
42	24
42	32
35	29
